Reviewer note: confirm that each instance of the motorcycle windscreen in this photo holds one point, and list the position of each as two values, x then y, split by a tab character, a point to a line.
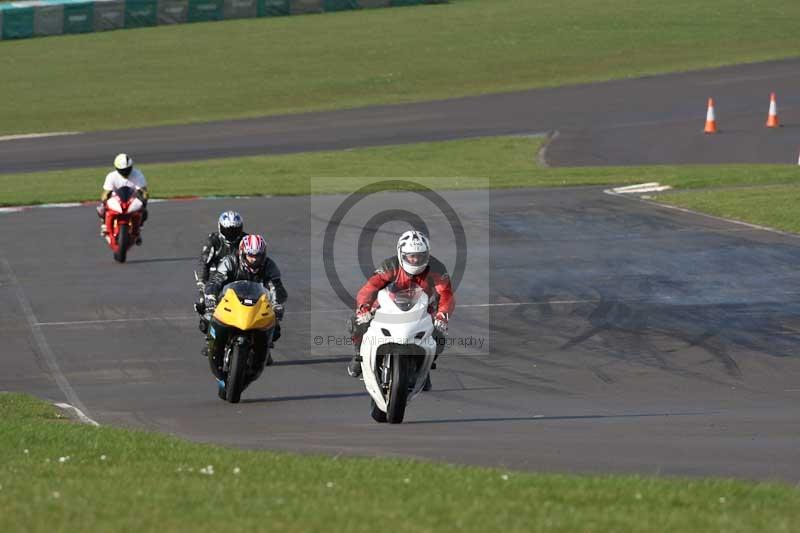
405	298
245	306
125	193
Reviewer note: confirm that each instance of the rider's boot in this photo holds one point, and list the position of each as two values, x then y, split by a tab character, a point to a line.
103	230
221	392
354	366
427	385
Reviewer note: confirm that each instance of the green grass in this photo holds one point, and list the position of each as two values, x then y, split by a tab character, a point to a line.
199	72
504	161
776	206
120	480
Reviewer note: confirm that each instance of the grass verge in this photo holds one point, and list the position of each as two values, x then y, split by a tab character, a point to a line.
776	206
506	161
56	475
277	65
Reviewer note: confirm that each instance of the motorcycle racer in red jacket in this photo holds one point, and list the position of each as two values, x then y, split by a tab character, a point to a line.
413	264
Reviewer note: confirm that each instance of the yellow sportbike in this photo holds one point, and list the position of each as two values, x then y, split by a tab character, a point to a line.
241	330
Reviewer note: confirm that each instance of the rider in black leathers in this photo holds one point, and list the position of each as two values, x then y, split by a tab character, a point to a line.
252	264
218	245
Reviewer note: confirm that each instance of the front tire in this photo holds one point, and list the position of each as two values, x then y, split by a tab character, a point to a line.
377	415
236	371
398	389
123	243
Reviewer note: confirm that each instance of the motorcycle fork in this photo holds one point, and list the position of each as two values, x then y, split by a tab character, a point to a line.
386	370
229	349
226	360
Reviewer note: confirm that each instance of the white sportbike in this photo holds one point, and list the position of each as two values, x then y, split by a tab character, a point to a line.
397	351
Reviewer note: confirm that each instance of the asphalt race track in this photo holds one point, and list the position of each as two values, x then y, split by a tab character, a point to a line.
617	336
651	120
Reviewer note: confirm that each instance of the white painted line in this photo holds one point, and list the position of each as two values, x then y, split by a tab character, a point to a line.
41	342
115	320
81	416
543	302
638	185
37	135
652	186
92	203
318	311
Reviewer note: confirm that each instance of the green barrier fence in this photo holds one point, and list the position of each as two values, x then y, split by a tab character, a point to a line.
274	8
79	18
18	23
205	10
33	18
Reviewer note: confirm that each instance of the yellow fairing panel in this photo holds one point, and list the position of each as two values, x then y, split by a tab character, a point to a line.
231	312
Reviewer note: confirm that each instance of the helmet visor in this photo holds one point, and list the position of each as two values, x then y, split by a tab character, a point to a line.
253	262
232	234
416	258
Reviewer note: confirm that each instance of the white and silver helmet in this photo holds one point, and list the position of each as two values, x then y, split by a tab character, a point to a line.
231	226
413	252
123	164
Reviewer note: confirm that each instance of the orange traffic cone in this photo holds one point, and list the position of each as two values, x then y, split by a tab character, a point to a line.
772	117
711	121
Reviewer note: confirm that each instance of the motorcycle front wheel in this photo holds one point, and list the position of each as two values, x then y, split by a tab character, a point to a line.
377	415
123	243
236	371
398	388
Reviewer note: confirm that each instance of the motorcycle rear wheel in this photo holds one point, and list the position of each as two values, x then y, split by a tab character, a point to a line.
123	243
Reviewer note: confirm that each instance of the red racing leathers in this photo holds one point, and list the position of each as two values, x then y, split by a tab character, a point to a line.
434	280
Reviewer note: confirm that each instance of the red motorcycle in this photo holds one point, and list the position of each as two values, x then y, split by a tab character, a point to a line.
123	218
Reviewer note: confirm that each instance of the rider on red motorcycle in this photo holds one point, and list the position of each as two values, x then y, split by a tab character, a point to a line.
123	175
412	264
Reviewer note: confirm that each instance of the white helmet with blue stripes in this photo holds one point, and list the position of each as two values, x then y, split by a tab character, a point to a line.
231	226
